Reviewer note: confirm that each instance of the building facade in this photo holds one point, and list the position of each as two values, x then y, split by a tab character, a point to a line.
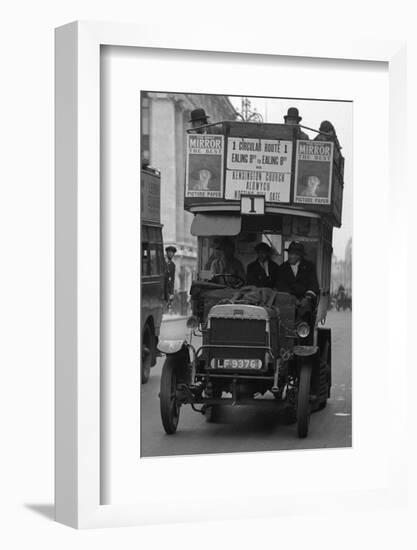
342	270
164	123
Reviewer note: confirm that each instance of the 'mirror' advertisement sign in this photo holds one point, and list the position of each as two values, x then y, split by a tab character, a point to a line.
313	172
204	172
258	167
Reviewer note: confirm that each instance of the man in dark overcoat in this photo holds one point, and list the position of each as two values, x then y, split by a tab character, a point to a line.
263	272
298	277
169	274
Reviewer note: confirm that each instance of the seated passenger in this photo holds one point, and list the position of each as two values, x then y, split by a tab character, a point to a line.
263	272
215	255
227	263
298	276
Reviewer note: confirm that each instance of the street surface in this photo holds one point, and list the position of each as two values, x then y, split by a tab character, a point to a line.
246	428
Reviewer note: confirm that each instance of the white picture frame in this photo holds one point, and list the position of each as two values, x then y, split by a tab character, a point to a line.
77	245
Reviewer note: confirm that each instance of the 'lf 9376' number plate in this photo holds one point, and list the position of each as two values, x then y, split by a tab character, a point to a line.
255	364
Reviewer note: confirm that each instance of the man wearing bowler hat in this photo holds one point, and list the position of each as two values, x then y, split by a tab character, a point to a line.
197	120
169	275
298	277
293	118
263	272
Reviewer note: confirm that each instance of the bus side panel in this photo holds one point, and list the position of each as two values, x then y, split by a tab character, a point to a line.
152	280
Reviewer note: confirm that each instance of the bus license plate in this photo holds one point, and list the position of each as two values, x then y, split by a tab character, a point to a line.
237	364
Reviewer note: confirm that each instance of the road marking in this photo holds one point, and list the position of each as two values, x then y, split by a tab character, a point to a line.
342	414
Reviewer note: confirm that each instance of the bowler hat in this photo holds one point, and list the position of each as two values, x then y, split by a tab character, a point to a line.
293	113
296	247
264	247
172	248
198	114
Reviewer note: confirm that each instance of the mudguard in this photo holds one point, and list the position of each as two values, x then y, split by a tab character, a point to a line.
178	355
305	351
171	347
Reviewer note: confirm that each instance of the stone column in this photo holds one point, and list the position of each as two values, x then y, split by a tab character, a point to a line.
180	163
162	153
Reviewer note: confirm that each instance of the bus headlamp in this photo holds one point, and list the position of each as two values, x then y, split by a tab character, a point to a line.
303	330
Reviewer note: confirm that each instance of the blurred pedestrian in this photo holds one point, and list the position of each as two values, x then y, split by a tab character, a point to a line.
169	275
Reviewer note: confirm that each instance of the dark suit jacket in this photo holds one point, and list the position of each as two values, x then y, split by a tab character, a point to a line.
255	274
305	281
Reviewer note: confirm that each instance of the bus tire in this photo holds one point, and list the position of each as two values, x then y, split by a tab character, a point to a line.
169	406
324	389
147	347
303	399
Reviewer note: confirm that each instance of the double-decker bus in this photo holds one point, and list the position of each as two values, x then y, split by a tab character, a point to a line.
153	268
249	184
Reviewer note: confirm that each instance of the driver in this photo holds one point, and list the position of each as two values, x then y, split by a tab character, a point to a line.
226	263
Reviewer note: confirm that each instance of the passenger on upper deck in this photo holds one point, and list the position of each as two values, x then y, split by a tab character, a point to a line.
298	277
328	133
263	272
293	118
197	120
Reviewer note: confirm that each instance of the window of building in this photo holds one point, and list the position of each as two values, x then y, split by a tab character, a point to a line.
146	259
145	129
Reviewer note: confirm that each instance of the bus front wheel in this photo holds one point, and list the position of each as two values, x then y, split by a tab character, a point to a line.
169	405
303	401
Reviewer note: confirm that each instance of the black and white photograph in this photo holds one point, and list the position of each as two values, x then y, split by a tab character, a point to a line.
246	285
208	275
